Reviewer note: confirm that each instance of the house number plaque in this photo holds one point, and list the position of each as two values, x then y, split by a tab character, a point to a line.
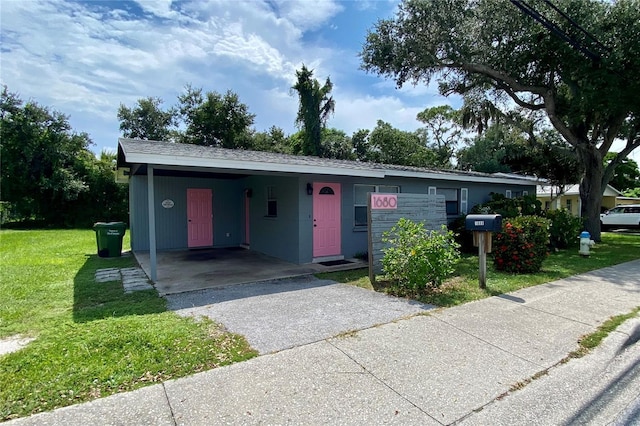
384	201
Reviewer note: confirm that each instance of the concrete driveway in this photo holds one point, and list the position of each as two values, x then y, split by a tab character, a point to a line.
281	314
189	270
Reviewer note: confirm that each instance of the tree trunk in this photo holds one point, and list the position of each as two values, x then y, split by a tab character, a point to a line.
591	189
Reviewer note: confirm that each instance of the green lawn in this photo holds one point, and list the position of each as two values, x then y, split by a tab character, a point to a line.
463	286
92	340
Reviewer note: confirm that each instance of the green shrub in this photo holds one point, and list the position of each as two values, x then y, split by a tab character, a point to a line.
564	229
463	237
418	258
521	247
509	207
526	205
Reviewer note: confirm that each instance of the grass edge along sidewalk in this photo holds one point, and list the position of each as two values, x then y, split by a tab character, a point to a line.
91	339
462	287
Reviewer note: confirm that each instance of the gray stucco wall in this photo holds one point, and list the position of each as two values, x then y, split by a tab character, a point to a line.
171	224
288	236
354	239
275	236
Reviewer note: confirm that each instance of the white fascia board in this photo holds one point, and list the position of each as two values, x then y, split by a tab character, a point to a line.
460	178
610	191
208	163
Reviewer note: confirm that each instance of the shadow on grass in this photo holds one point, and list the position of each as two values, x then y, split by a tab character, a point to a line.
95	301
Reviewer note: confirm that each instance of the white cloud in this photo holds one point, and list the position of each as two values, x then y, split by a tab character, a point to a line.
85	59
307	15
362	112
159	8
238	45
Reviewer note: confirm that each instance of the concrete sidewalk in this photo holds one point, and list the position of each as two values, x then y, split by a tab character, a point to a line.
455	365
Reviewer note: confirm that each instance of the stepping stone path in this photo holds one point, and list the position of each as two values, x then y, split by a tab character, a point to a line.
108	274
133	279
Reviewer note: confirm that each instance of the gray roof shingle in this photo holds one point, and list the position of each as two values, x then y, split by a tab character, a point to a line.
168	153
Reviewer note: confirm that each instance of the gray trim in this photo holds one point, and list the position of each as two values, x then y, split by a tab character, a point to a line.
152	224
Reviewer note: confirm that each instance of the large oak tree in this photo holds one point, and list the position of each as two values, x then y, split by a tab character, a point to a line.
212	119
48	174
576	60
146	120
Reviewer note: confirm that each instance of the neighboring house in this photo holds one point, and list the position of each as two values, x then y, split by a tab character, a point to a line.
570	198
299	209
623	201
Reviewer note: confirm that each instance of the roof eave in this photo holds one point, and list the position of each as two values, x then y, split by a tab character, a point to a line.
465	178
227	164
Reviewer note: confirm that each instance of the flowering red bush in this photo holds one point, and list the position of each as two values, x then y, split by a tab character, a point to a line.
521	247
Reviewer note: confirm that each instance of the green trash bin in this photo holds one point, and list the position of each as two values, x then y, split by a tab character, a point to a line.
109	238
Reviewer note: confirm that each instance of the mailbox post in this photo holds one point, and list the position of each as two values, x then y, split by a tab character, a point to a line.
483	226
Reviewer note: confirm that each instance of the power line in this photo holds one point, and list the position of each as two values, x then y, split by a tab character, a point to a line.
529	10
576	25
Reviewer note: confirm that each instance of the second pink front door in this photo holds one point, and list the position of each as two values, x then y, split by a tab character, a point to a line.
326	219
199	217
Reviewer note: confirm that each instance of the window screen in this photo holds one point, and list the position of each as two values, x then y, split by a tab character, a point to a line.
272	202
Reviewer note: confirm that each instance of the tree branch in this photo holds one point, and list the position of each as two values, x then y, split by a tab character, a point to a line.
501	77
633	142
613	129
569	136
533	107
545	92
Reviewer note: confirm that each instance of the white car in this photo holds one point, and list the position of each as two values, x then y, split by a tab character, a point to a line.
621	217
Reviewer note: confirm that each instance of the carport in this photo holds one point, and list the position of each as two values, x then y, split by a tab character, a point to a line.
188	270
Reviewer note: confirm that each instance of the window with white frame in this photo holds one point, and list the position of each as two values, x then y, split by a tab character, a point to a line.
515	194
456	199
360	200
272	202
451	200
464	200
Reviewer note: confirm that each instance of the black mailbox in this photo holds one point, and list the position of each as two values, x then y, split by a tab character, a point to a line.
484	222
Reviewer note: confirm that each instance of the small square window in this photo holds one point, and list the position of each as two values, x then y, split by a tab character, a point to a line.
361	215
452	207
451	200
272	202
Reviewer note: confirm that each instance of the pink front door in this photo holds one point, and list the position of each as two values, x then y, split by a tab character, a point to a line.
326	219
200	218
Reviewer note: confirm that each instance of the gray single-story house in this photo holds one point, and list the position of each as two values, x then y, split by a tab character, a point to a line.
296	208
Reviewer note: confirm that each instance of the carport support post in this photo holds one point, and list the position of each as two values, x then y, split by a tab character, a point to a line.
152	224
482	259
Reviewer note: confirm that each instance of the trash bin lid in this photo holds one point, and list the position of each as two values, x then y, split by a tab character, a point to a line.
117	225
102	225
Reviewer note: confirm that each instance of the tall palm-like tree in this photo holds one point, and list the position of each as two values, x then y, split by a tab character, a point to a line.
316	105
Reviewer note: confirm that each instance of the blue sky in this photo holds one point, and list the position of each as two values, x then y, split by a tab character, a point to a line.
85	58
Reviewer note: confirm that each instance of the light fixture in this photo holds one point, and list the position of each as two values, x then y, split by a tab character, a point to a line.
309	189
